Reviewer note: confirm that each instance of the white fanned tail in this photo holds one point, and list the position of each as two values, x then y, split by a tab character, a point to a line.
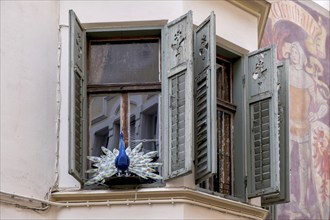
140	164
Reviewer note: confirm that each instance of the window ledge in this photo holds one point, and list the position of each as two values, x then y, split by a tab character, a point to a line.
170	195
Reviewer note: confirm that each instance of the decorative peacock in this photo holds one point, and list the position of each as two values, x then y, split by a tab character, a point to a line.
123	162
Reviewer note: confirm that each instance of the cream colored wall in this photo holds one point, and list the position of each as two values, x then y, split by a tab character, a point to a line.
232	24
28	100
324	3
195	212
154	211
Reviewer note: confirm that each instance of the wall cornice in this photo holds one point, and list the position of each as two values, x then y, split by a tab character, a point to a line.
169	195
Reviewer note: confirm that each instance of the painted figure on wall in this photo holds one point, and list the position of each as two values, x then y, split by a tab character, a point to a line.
301	36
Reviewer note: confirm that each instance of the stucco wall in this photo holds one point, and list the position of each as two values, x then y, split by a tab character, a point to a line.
28	98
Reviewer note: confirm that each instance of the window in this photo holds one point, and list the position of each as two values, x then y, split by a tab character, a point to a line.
132	65
222	181
196	103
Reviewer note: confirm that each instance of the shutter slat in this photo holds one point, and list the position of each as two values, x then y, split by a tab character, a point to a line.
262	126
77	104
205	100
177	93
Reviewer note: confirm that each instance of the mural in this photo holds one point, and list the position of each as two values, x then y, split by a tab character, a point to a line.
302	36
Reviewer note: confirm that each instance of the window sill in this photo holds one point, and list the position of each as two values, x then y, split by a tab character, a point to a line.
159	195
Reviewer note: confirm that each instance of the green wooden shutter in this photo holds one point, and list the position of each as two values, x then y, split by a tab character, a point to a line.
205	100
177	96
262	124
77	99
283	109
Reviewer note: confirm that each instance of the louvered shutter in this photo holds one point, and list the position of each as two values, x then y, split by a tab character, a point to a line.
262	123
205	100
177	96
283	109
77	98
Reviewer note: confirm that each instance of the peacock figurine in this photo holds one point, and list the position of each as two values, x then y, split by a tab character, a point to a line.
123	161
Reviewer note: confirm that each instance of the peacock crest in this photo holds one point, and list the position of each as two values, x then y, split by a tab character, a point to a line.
123	162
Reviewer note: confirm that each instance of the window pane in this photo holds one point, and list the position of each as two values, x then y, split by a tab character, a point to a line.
104	122
124	62
144	123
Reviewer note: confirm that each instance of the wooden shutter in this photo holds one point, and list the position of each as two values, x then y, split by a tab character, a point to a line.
262	124
77	99
283	109
177	96
205	100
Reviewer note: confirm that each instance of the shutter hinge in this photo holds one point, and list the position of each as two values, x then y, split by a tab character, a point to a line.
243	80
245	181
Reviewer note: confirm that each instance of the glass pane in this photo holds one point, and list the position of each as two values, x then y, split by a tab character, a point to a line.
104	122
224	80
144	120
124	62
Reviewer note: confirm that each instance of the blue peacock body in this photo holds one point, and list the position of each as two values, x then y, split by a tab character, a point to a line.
123	161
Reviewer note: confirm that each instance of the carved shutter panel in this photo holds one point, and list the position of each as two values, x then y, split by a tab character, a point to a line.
77	98
205	99
262	124
283	109
177	95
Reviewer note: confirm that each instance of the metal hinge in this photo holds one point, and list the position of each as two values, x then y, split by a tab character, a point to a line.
245	181
243	80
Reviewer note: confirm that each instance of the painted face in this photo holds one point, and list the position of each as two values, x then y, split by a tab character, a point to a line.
294	55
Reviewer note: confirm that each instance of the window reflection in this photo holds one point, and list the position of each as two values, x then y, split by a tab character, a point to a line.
144	126
104	122
105	117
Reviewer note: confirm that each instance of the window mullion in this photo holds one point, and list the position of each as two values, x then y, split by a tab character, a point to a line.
124	119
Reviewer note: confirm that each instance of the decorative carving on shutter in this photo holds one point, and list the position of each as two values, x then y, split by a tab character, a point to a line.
177	95
283	113
205	99
262	124
177	45
77	97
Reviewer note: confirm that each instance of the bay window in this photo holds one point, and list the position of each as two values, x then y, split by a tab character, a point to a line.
206	110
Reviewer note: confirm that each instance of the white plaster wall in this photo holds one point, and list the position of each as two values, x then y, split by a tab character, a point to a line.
28	99
153	211
196	212
109	11
324	3
232	23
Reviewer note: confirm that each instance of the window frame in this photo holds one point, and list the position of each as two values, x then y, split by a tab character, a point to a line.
148	28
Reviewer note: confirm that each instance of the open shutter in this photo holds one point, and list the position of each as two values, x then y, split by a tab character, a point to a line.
283	109
205	100
77	98
177	95
262	123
